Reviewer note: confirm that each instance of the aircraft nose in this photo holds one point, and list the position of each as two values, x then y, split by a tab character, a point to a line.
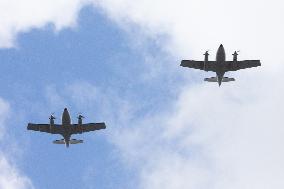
221	48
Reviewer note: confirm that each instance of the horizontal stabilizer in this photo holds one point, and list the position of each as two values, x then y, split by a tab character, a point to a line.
211	79
227	79
59	141
75	141
214	79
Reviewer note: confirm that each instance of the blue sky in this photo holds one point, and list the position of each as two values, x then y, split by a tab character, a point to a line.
118	62
92	53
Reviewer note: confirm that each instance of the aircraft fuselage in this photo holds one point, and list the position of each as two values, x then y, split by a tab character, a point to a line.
220	60
66	124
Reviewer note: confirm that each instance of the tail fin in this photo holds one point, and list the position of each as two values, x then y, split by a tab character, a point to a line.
214	79
75	141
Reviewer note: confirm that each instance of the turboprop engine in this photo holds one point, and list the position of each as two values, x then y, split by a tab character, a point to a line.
80	119
51	122
235	56
206	55
80	122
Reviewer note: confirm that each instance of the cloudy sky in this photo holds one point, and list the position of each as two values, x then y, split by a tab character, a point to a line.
118	61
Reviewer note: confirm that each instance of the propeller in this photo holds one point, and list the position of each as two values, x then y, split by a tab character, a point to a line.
52	116
206	52
80	116
236	52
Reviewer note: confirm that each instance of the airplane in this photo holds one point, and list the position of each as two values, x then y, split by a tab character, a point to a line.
66	129
220	65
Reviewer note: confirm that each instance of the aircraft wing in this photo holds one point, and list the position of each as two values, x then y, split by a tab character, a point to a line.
237	65
208	66
78	129
45	128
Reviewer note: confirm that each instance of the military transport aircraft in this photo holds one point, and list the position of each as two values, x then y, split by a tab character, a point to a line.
220	66
66	129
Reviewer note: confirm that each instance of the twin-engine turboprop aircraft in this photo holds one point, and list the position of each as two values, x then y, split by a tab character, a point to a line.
220	66
66	129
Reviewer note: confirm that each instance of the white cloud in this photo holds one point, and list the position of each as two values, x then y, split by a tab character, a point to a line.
230	138
22	16
4	111
10	176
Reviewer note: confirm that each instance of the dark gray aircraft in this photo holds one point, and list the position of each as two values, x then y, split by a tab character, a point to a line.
66	129
220	66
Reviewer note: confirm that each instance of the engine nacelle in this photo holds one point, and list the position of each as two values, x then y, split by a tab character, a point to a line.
80	122
206	54
235	56
51	122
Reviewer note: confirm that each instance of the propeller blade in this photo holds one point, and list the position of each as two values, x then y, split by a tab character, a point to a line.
80	116
52	116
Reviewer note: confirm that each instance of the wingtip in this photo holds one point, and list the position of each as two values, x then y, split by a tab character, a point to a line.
182	63
28	126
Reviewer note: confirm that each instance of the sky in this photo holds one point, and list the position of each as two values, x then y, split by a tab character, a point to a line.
117	61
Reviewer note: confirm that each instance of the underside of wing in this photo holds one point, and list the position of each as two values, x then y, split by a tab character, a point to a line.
201	65
237	65
54	129
78	129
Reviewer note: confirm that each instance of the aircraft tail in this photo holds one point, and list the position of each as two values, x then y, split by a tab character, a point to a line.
214	79
72	141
